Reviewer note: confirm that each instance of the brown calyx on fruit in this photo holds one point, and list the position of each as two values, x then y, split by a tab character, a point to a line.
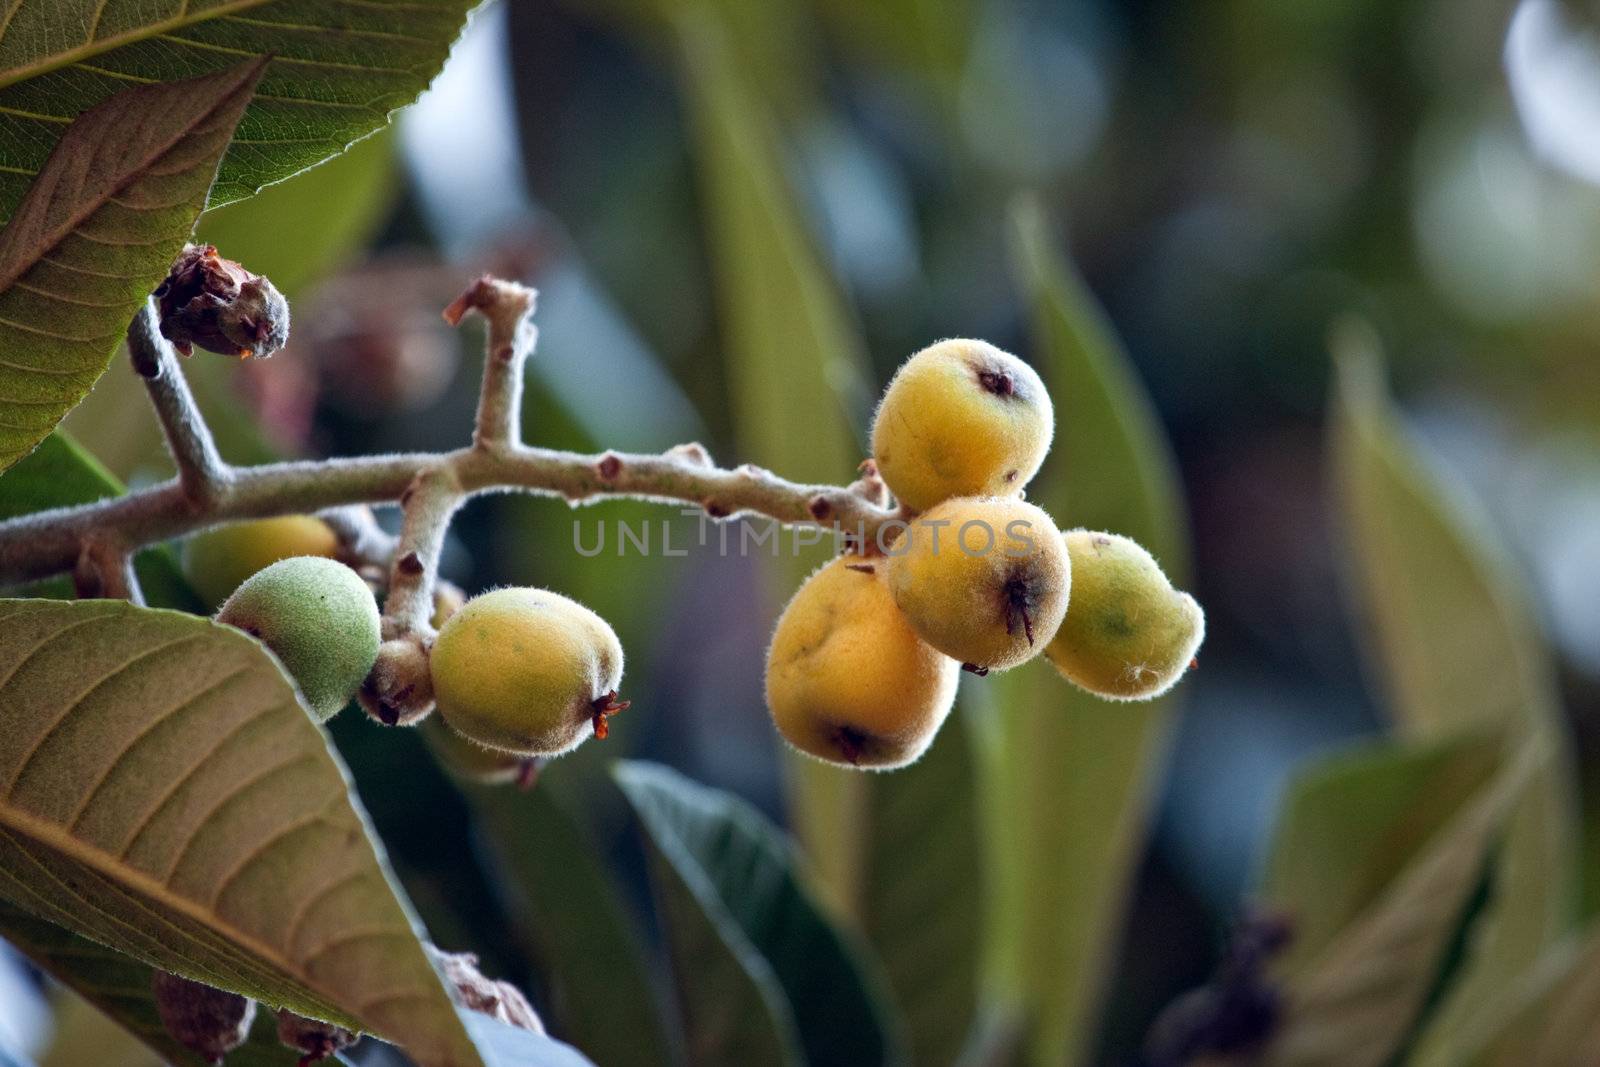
605	707
499	1000
851	743
314	1040
1018	605
215	303
998	382
208	1022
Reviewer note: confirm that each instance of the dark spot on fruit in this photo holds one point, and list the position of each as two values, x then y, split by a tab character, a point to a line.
850	742
997	382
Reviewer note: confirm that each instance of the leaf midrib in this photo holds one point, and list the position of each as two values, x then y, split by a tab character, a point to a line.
89	49
51	835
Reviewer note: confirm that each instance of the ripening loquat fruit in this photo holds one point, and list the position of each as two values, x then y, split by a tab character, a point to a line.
217	561
984	580
961	418
319	618
848	680
526	671
1129	634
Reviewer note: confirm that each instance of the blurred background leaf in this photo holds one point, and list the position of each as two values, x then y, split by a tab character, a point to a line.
1458	646
1355	1001
1068	779
719	843
593	970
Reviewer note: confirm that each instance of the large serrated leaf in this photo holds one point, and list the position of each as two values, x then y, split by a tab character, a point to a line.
96	232
58	474
119	986
1354	1003
590	964
338	68
1070	776
721	843
1458	649
163	792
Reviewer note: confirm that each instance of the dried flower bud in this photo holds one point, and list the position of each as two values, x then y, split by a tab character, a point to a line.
217	304
399	689
499	1000
208	1022
315	1041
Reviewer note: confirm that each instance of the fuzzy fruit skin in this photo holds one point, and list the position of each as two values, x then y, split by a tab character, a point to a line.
520	670
995	603
1129	635
319	619
218	561
961	418
470	761
848	680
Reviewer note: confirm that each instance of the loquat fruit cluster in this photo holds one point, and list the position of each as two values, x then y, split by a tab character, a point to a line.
863	664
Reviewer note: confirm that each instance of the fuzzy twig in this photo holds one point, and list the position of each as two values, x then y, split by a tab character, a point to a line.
508	307
51	542
104	571
202	475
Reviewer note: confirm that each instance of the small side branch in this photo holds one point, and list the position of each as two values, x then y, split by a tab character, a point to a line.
104	571
508	307
202	475
428	505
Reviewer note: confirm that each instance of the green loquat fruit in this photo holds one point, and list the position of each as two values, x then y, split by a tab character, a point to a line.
319	618
526	671
984	580
961	418
1129	635
217	561
848	680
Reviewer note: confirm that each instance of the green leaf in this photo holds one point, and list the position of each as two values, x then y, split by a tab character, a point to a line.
1350	824
739	867
58	474
338	68
590	962
119	986
165	794
1354	1002
1458	649
95	234
1069	777
921	891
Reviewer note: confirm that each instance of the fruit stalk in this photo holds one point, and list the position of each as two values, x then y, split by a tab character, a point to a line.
202	474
